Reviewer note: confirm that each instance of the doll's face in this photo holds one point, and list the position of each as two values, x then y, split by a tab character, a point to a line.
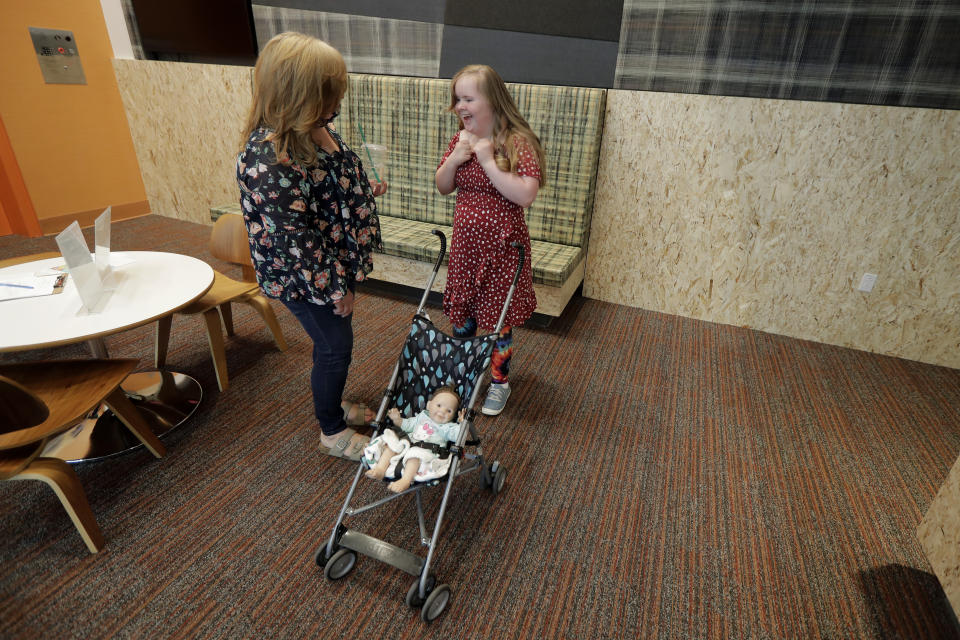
442	407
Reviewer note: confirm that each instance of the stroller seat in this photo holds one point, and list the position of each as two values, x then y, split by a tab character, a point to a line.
431	359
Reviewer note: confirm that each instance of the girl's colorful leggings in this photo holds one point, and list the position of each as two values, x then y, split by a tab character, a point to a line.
502	351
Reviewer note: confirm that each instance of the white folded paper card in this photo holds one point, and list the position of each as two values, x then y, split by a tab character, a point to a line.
76	254
101	243
30	286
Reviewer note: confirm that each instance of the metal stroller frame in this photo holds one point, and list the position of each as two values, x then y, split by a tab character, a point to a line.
338	555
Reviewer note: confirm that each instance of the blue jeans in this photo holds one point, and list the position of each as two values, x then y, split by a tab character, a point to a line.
332	337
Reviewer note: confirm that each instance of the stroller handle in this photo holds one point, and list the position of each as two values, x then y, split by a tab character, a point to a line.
436	268
519	247
443	248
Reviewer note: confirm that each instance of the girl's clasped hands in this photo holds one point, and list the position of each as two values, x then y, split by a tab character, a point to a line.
470	144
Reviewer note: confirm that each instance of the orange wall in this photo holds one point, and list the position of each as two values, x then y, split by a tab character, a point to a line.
72	142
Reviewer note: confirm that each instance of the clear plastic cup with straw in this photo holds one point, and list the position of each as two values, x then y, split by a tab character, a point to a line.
376	157
375	161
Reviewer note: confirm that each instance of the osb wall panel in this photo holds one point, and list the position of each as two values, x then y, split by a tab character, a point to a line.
185	120
939	535
767	213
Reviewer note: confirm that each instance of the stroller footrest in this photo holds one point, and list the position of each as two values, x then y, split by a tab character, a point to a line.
382	551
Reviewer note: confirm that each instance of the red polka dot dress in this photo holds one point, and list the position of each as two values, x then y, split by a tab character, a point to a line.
482	262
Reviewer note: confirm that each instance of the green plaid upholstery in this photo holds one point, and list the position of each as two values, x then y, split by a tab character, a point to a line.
409	116
552	263
569	122
411	239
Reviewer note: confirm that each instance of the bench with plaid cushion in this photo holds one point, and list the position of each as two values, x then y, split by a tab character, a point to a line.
410	116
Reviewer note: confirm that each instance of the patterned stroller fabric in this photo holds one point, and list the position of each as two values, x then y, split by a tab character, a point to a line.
431	359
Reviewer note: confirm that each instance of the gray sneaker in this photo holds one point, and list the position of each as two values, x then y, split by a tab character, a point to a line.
496	400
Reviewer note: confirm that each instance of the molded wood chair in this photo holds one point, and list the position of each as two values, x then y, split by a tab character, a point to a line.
228	242
39	400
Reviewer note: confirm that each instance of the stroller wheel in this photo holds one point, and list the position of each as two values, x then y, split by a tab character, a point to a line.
435	604
499	475
320	556
414	601
340	564
489	472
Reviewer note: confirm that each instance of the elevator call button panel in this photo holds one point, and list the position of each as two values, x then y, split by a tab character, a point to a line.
57	53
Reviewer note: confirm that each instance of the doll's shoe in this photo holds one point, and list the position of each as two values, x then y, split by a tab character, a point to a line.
496	400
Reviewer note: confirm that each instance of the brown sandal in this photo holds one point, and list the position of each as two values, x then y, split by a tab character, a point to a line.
349	445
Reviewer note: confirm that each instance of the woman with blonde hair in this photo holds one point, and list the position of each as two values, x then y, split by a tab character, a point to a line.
495	163
310	212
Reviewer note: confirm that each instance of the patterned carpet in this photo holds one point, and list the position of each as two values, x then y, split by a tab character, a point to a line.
667	478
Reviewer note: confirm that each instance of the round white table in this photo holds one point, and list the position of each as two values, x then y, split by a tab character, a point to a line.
143	287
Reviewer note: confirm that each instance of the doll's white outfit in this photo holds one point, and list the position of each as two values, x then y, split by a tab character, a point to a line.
419	428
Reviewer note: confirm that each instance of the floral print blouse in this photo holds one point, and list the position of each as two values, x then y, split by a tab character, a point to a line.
312	229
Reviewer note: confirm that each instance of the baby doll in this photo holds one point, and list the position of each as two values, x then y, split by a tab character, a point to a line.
433	425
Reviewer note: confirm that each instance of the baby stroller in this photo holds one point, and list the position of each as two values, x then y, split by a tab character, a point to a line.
430	359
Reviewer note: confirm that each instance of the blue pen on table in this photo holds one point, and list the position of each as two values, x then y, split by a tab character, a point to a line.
367	149
18	286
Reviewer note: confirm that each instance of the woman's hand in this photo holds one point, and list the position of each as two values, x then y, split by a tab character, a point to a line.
378	188
344	306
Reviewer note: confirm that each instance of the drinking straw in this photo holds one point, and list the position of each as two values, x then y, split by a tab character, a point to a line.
367	149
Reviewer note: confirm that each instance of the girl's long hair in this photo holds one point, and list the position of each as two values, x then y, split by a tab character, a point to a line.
297	80
507	121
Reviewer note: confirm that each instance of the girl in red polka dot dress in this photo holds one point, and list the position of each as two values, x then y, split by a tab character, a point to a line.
495	163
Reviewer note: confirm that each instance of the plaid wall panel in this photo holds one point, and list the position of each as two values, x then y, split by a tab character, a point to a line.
409	116
416	10
884	52
368	45
892	52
